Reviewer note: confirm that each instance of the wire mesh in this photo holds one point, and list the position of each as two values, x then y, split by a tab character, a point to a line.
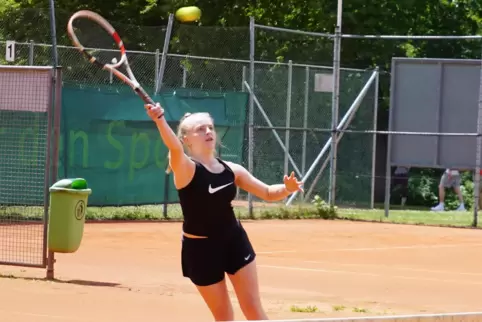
216	41
217	59
24	112
282	45
206	73
306	91
144	44
21	53
192	63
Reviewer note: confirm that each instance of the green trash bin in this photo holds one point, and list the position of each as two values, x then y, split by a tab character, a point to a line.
68	204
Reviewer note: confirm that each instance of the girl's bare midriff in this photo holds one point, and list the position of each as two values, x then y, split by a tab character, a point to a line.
193	236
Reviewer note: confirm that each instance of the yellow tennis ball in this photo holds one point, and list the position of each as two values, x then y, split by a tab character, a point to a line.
188	14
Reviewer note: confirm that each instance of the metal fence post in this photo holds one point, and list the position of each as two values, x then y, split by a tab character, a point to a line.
388	161
57	90
305	122
31	46
478	155
334	115
374	138
335	103
251	108
288	115
184	76
156	71
165	49
53	32
54	155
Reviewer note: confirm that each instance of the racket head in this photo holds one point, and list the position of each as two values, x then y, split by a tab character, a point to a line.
104	24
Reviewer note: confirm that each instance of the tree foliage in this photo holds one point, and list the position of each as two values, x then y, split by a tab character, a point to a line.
410	17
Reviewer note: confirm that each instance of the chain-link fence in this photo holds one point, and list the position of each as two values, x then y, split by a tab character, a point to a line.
295	95
292	70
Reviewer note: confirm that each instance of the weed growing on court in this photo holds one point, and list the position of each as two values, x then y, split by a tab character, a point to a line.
338	308
307	309
360	310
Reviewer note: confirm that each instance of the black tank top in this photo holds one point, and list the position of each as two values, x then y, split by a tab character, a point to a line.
206	202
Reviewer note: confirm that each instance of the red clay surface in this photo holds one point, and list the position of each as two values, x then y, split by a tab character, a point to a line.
131	272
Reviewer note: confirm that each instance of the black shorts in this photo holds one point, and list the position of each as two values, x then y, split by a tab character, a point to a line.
206	260
400	179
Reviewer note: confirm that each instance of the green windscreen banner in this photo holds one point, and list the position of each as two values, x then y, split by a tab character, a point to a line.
23	145
108	139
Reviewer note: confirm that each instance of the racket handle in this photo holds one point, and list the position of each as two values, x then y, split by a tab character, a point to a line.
144	96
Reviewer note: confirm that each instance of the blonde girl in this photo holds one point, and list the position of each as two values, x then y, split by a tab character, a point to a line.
214	242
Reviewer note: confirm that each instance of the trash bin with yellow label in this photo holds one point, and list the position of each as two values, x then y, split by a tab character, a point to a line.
68	205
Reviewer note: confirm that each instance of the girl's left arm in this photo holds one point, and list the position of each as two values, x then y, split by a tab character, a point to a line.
253	185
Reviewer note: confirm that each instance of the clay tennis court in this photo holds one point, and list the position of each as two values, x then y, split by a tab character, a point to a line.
131	272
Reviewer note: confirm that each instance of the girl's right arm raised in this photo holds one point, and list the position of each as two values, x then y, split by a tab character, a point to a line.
182	166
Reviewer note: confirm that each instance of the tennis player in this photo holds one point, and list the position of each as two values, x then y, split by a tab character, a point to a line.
213	241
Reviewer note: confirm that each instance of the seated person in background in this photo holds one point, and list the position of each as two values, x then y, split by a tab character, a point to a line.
450	179
400	177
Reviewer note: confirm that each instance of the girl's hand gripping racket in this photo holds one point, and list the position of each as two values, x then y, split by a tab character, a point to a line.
129	79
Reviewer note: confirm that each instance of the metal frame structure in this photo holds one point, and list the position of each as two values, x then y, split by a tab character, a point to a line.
51	161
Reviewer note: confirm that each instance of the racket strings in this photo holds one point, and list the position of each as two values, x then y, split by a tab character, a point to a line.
97	41
103	47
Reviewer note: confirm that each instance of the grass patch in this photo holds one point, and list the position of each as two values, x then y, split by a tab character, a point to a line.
412	217
318	209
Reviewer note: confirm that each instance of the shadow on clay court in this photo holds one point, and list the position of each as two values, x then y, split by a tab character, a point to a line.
76	282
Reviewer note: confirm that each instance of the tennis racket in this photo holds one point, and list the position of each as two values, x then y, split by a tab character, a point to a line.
113	67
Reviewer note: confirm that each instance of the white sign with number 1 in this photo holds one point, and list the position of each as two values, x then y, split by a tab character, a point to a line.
10	51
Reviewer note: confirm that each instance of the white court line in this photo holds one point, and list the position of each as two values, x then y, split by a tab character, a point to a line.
319	270
364	249
394	267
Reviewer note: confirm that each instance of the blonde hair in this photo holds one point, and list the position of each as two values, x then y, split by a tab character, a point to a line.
182	130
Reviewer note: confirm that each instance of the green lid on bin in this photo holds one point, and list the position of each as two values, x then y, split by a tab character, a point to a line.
79	184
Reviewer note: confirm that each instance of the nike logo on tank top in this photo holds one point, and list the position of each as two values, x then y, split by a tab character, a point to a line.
206	202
